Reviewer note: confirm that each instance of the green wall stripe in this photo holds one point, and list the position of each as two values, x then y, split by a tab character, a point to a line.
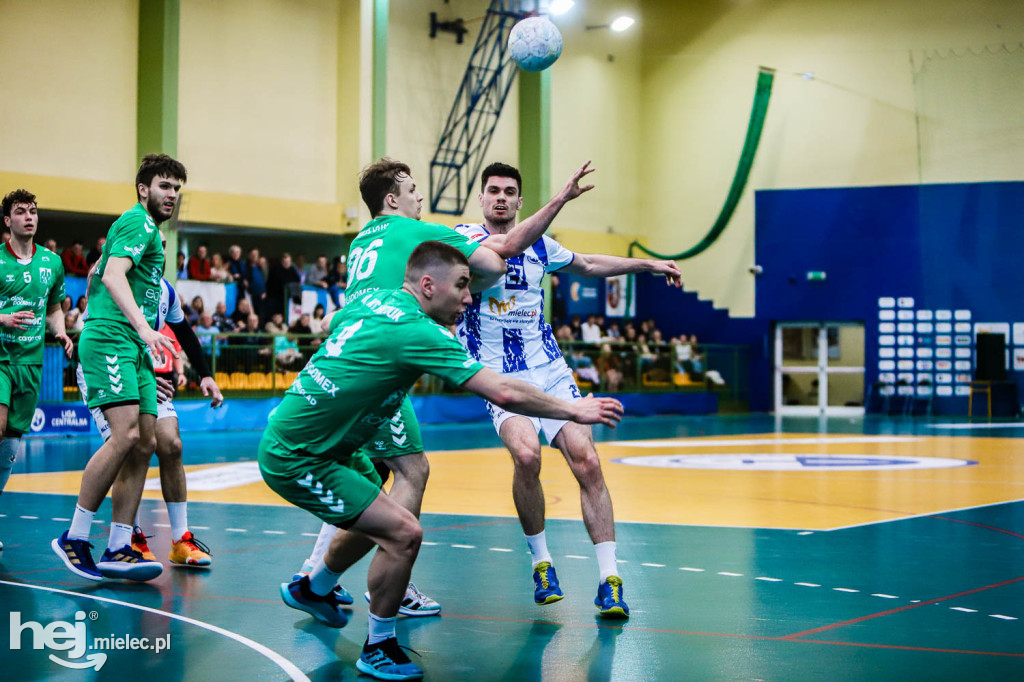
380	77
157	108
535	138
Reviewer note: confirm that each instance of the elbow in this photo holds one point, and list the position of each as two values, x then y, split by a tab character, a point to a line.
504	396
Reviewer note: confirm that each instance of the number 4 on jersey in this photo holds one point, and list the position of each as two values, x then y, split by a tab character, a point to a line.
335	343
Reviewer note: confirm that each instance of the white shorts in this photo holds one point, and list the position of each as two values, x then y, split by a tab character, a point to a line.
164	409
554	378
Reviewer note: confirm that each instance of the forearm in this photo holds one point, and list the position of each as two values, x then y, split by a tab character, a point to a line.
600	265
523	235
190	345
55	320
117	284
522	398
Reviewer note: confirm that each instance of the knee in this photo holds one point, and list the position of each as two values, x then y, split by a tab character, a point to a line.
414	469
127	440
527	460
169	451
586	466
144	446
408	536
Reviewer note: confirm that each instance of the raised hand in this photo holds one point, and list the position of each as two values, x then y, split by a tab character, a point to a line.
572	188
591	410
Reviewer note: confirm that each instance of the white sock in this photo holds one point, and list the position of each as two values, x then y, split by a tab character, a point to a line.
10	449
178	515
380	628
606	559
120	535
138	523
538	548
81	524
323	541
322	579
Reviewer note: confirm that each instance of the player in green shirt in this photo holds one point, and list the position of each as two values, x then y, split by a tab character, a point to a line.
124	296
377	259
311	452
31	291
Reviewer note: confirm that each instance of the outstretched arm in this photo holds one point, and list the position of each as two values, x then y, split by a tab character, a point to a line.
599	265
519	397
516	240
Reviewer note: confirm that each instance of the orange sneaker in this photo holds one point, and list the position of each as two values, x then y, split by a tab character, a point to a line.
140	546
188	551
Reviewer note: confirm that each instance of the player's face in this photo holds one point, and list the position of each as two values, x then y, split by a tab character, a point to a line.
23	220
160	196
407	200
500	200
451	295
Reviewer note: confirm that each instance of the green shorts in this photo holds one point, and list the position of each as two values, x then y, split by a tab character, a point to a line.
117	367
397	437
19	391
335	490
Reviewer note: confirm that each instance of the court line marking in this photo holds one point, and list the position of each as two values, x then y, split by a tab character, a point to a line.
696	443
967	427
935	513
898	609
280	661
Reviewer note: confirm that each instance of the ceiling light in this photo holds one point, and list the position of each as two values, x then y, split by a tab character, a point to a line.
560	7
620	24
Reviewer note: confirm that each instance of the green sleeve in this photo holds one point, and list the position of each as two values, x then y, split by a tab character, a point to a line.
434	350
447	235
57	291
131	238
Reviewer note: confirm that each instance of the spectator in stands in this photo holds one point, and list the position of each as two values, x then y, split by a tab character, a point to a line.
337	283
683	363
65	305
192	312
234	266
576	328
557	301
564	334
276	325
613	333
316	274
609	367
590	332
254	281
51	244
279	280
242	312
303	326
256	351
220	317
182	270
206	330
218	271
648	358
629	335
656	337
300	265
317	322
76	313
96	251
74	260
199	265
70	320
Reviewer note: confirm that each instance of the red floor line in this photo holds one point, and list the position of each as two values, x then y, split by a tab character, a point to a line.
853	621
981	525
471	525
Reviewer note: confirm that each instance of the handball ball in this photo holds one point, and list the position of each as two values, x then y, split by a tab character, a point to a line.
535	44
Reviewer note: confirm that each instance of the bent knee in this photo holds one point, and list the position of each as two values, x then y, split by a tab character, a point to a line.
169	450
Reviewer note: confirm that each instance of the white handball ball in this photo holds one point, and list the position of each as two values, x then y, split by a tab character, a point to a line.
535	44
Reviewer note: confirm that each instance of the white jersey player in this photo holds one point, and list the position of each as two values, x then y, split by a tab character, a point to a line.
504	328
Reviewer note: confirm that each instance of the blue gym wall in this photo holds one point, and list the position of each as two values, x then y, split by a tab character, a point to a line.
949	247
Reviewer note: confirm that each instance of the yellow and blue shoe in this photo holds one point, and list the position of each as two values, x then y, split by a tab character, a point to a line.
127	564
76	556
188	551
609	598
386	661
298	595
140	545
546	589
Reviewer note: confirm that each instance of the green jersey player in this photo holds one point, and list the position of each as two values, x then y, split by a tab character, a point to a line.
311	452
124	296
31	291
377	259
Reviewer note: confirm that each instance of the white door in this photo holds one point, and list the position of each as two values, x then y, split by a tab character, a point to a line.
819	368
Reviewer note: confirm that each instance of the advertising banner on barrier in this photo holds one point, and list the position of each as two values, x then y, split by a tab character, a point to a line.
66	418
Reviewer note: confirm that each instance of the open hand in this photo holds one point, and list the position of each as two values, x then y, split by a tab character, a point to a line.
591	410
572	188
18	320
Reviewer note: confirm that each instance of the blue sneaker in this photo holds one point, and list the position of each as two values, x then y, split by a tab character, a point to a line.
547	590
297	595
76	556
128	564
343	596
386	661
609	598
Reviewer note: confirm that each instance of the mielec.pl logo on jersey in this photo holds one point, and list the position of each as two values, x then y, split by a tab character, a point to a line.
73	639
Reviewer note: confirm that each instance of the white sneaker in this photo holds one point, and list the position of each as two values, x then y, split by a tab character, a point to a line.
415	603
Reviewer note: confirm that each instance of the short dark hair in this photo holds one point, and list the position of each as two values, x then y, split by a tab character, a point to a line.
430	255
501	170
18	196
378	180
158	164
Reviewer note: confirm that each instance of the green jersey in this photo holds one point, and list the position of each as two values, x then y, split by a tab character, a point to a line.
377	257
134	235
379	345
36	285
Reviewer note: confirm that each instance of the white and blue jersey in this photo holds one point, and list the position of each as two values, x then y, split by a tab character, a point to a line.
170	306
504	327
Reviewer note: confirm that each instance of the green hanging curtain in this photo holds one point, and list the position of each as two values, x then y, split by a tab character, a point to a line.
739	181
